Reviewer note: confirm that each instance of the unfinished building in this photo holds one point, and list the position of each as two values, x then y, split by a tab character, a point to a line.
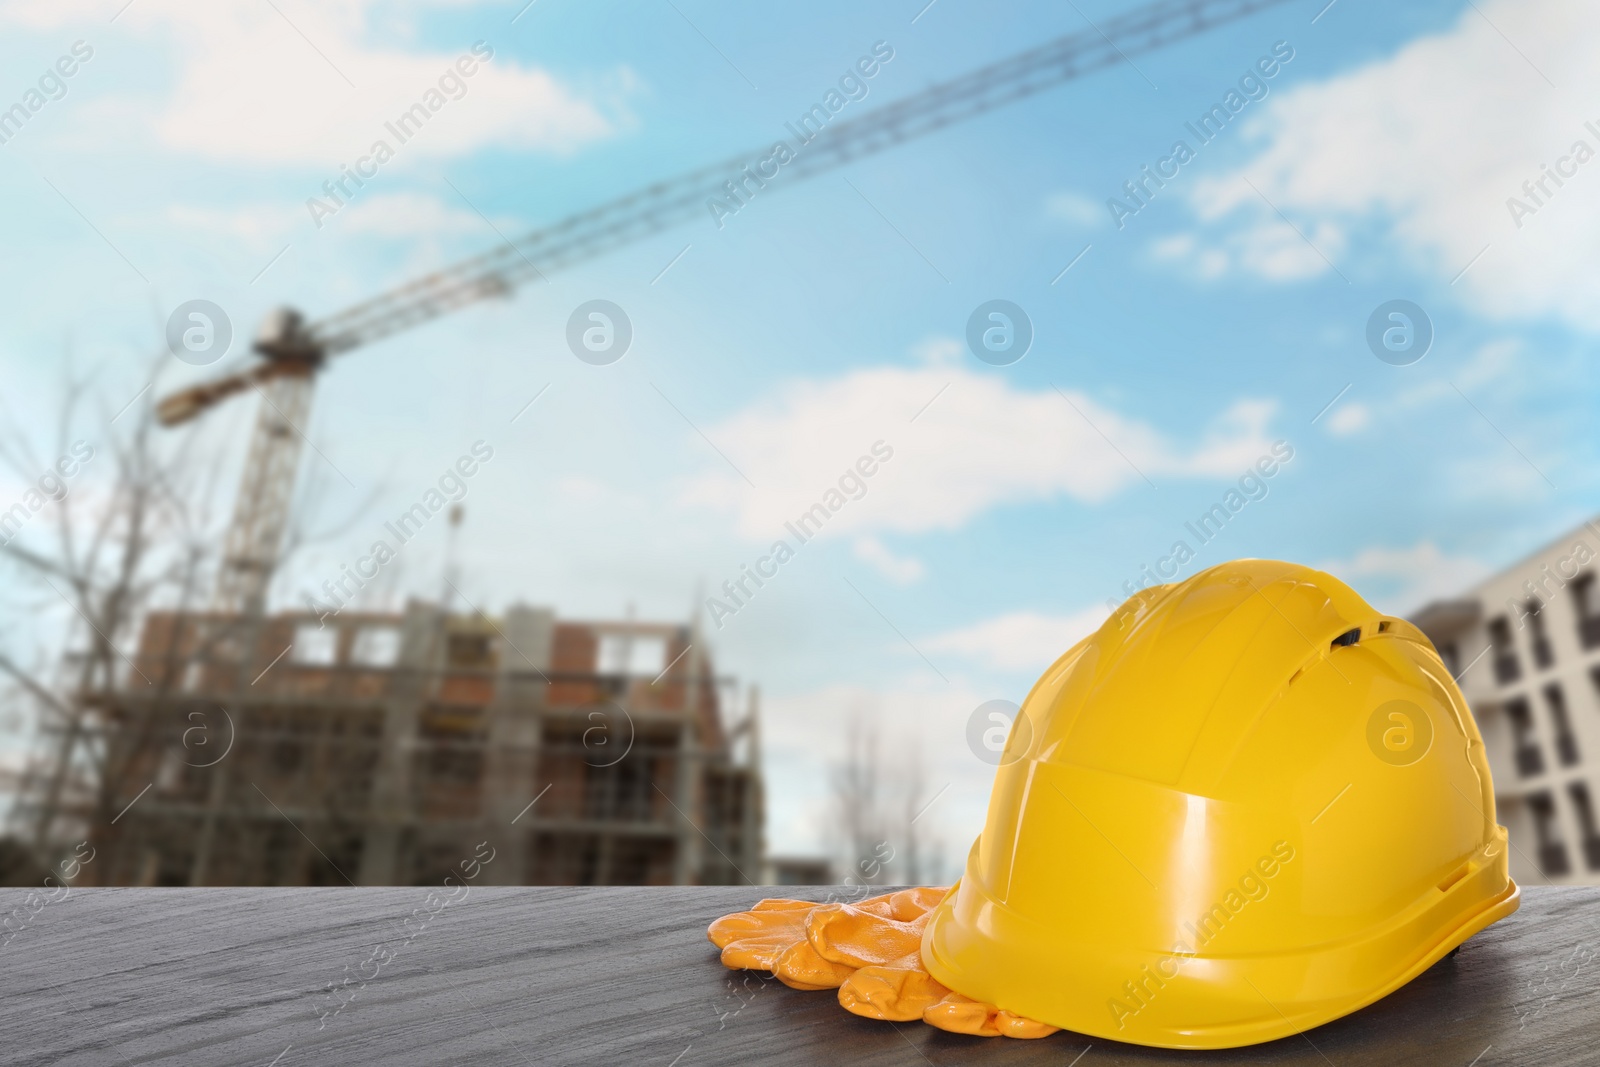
377	749
1524	645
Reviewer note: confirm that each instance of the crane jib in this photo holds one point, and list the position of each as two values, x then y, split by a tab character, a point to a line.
645	212
294	351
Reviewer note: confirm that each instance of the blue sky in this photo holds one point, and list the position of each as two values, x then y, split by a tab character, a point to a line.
1223	317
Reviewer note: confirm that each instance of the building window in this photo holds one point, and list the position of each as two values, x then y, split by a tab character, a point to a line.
1542	656
1583	806
471	650
1530	761
316	646
287	757
1506	667
1552	851
1451	655
1586	598
1566	744
376	646
226	648
631	654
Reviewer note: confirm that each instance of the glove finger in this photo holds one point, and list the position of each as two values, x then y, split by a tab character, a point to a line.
904	905
760	922
801	967
1016	1026
909	904
898	992
846	934
760	953
962	1015
783	904
881	905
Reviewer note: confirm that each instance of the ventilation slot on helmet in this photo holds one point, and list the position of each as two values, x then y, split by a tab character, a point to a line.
1455	876
1383	627
1346	639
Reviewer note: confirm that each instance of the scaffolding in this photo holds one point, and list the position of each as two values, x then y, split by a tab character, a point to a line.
376	749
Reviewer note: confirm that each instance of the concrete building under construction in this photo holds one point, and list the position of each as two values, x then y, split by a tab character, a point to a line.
379	749
1525	647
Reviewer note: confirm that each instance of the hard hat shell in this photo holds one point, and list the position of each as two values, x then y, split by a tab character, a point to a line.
1247	805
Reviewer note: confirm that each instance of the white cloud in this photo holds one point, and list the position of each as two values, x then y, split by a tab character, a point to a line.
1428	145
1490	366
901	570
307	87
410	215
1490	363
1019	640
1268	247
1076	209
981	444
939	351
402	215
1185	248
1404	579
1498	469
586	491
1349	419
255	224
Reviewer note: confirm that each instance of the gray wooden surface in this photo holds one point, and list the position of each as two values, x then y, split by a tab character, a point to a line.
625	976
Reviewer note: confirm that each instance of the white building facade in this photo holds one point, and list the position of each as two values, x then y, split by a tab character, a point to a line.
1525	647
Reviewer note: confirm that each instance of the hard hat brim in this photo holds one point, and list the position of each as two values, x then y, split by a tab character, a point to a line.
978	947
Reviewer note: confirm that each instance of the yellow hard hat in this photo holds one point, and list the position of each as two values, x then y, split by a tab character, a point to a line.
1247	805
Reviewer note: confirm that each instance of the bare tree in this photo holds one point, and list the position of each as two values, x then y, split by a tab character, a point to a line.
878	810
120	519
111	522
917	858
857	787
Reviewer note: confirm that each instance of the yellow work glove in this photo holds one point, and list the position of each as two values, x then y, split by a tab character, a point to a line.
871	952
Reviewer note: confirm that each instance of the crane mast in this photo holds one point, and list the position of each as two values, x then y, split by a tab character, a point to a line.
294	352
261	509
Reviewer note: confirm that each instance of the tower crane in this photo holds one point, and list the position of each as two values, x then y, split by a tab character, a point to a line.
293	351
